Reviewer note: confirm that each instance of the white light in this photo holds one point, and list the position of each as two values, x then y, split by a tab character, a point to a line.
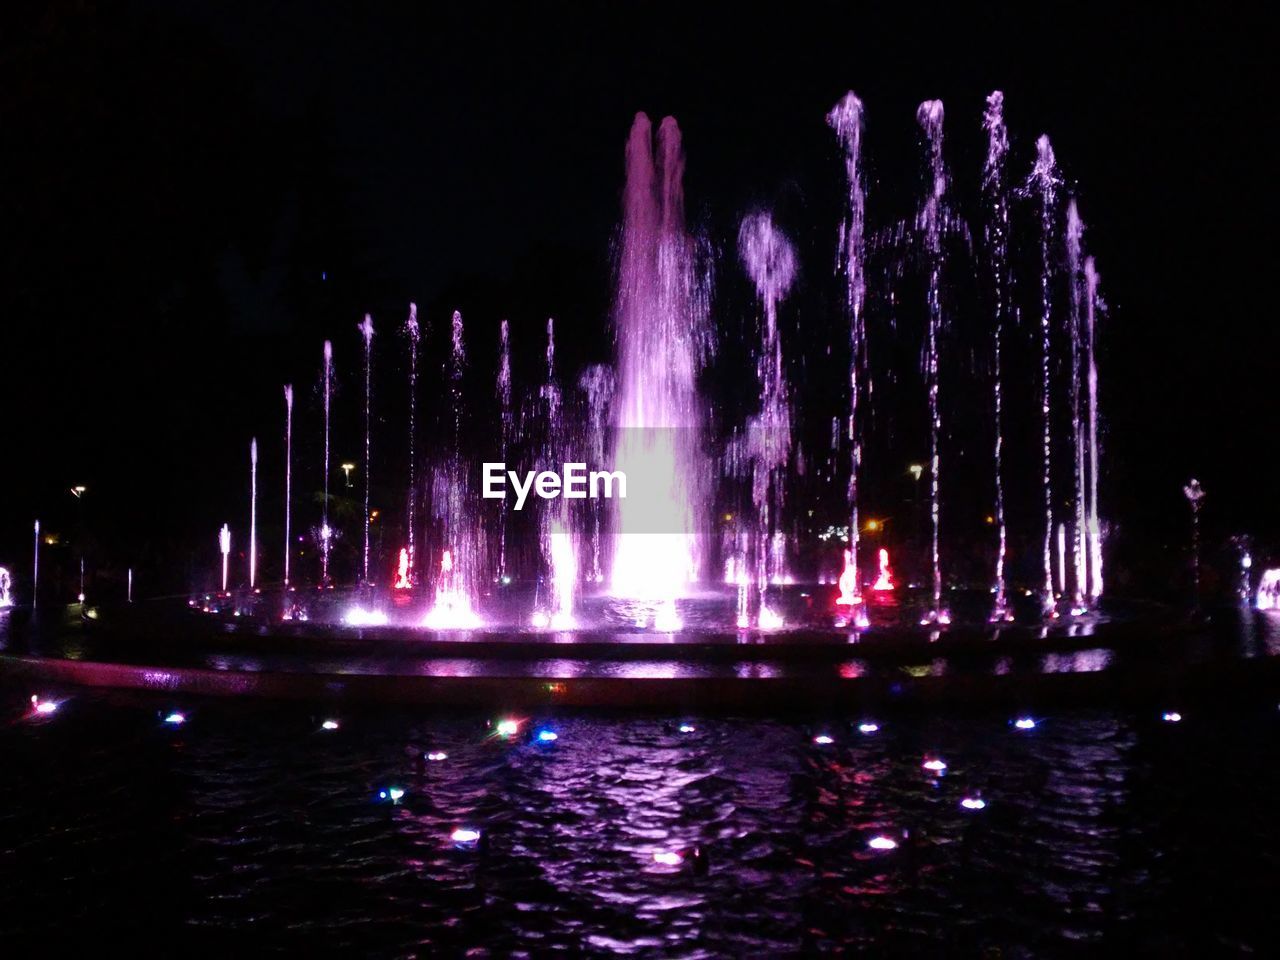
547	736
437	755
868	727
43	707
464	835
359	617
1025	723
687	728
668	858
882	843
329	725
937	766
176	719
394	794
973	803
540	620
508	728
823	739
1171	717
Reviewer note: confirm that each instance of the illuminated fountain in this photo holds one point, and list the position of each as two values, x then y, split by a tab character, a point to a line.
288	477
1268	593
224	546
6	589
1079	550
1092	523
326	532
846	119
253	513
1044	182
556	534
453	507
506	428
931	223
663	336
366	331
996	232
884	577
405	572
770	261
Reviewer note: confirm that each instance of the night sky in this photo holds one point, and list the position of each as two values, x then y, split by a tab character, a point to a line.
194	195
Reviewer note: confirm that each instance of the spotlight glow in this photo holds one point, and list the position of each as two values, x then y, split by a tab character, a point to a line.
508	727
973	803
547	736
435	756
1171	717
882	843
935	766
394	794
868	727
1025	723
687	728
668	858
176	719
329	725
43	707
823	739
465	836
360	617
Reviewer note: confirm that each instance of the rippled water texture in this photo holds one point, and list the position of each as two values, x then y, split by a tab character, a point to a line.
250	828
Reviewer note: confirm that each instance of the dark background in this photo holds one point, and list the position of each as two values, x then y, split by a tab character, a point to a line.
194	195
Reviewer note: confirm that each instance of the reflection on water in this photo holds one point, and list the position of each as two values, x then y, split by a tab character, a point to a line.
251	828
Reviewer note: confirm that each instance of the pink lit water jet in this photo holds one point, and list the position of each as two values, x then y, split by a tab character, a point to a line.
663	336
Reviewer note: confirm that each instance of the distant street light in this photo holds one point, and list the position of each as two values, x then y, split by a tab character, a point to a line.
346	470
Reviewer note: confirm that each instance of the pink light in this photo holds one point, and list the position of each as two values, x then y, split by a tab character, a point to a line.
402	571
668	858
43	707
936	766
884	581
848	584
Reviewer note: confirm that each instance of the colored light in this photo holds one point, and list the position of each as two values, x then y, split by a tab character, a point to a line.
668	858
823	739
508	728
465	836
937	766
973	803
1171	717
329	725
868	727
547	736
687	728
437	755
882	843
359	617
175	719
394	794
43	707
1025	723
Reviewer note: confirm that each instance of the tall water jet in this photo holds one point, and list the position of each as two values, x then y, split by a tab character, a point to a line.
770	261
1195	497
407	576
326	532
6	588
253	513
366	331
288	476
846	119
559	546
224	547
506	428
35	570
452	503
597	384
1079	550
663	336
996	232
930	223
1093	525
1044	180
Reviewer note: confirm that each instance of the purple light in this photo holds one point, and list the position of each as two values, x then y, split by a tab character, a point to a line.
435	756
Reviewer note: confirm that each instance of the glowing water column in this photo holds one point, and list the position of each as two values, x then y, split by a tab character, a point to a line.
224	545
253	513
288	475
1195	495
35	570
1044	180
326	532
997	236
411	330
1094	527
846	119
6	585
366	330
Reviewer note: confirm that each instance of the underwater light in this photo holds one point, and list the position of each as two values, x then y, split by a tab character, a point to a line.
823	739
436	755
465	836
687	728
973	803
1025	723
547	736
540	620
668	858
176	719
937	766
882	843
394	794
329	725
1171	717
868	727
508	728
